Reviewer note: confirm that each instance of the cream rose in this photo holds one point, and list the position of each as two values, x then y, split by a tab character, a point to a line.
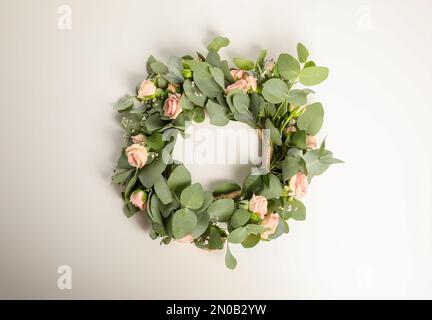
251	83
136	155
298	184
139	139
186	239
172	107
238	74
138	198
258	204
241	84
271	222
311	142
147	88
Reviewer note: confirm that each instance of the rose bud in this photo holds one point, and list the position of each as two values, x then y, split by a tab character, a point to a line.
146	89
298	184
172	107
138	198
136	155
258	204
271	222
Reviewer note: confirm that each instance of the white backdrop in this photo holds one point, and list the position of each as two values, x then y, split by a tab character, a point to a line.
368	232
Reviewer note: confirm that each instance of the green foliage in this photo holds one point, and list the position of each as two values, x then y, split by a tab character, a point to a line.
192	197
312	76
221	210
275	90
183	223
218	43
312	119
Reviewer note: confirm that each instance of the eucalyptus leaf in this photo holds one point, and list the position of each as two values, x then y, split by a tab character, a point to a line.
180	178
162	190
121	176
230	261
251	241
183	223
238	235
218	76
221	210
203	220
241	102
149	174
159	68
192	197
217	113
244	64
239	218
275	135
218	43
288	66
274	188
312	76
193	93
302	53
225	188
275	90
312	119
124	103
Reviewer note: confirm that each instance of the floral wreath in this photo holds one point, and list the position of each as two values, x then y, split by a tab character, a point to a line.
265	95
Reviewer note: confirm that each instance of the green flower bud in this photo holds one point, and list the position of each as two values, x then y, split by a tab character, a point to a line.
255	218
187	73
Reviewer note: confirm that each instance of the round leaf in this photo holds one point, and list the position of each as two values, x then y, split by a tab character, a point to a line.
240	217
275	90
312	119
192	197
183	223
221	210
179	178
288	66
238	235
312	76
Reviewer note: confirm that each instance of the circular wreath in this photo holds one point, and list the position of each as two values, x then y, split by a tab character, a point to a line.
266	95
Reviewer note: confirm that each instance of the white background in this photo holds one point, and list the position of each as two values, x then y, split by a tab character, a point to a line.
368	232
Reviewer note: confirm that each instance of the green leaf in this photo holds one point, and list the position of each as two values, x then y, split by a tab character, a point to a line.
244	64
255	228
208	199
312	76
154	122
317	164
261	56
288	66
251	241
309	64
149	174
238	235
162	190
167	209
221	210
150	60
274	188
239	218
179	179
183	223
185	103
275	90
230	261
124	103
155	141
217	43
298	97
121	176
204	79
122	162
298	210
312	119
198	114
175	68
218	76
275	135
193	93
131	183
203	220
159	68
302	53
213	59
217	113
215	240
192	197
225	187
153	210
241	102
298	139
251	184
291	165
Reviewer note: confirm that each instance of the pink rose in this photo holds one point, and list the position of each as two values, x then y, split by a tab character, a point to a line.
298	184
138	199
186	239
147	88
251	82
241	84
258	204
171	106
271	222
139	138
137	155
238	74
311	142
